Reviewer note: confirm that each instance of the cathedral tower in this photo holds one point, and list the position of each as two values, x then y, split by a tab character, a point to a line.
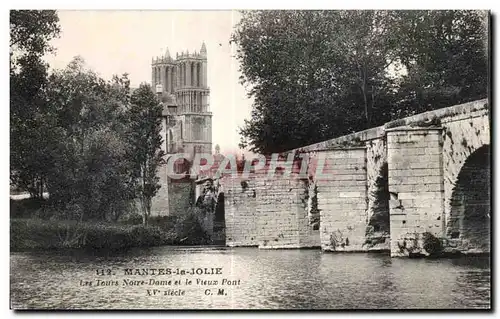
182	86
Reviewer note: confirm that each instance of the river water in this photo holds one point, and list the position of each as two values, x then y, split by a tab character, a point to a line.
261	279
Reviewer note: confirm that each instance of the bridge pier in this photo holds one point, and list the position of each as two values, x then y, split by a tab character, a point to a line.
342	199
240	211
269	212
416	187
283	221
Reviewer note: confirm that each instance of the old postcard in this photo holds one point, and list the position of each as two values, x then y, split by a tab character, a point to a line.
277	160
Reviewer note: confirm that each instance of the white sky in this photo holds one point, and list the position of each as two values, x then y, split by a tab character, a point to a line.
115	42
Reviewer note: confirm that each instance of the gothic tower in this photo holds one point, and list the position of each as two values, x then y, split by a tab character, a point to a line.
182	86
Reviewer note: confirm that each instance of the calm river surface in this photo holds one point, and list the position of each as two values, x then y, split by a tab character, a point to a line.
263	279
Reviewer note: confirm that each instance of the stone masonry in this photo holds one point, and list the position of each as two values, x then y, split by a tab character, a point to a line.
415	186
282	213
342	200
384	188
269	212
240	211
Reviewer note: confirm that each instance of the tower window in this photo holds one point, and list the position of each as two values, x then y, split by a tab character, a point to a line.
193	79
199	74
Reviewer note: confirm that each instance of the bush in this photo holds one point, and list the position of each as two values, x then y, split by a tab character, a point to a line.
432	244
24	234
141	236
37	225
131	219
29	207
39	234
163	222
36	234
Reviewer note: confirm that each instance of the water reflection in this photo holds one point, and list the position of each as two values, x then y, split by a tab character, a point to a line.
270	279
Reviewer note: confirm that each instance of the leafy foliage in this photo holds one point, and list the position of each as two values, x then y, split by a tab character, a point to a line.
88	167
68	138
144	142
446	55
87	141
34	234
315	75
30	33
431	243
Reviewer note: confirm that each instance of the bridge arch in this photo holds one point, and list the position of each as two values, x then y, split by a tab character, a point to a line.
470	210
465	138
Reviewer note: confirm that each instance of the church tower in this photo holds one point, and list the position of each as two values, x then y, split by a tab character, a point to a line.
181	84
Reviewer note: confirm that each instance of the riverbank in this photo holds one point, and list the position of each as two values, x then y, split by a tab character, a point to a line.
35	225
31	234
37	234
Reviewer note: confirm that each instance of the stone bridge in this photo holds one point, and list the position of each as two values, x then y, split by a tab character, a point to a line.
390	188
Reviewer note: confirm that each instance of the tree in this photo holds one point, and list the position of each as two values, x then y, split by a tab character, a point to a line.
315	75
280	60
27	97
446	57
145	145
366	47
30	33
87	168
